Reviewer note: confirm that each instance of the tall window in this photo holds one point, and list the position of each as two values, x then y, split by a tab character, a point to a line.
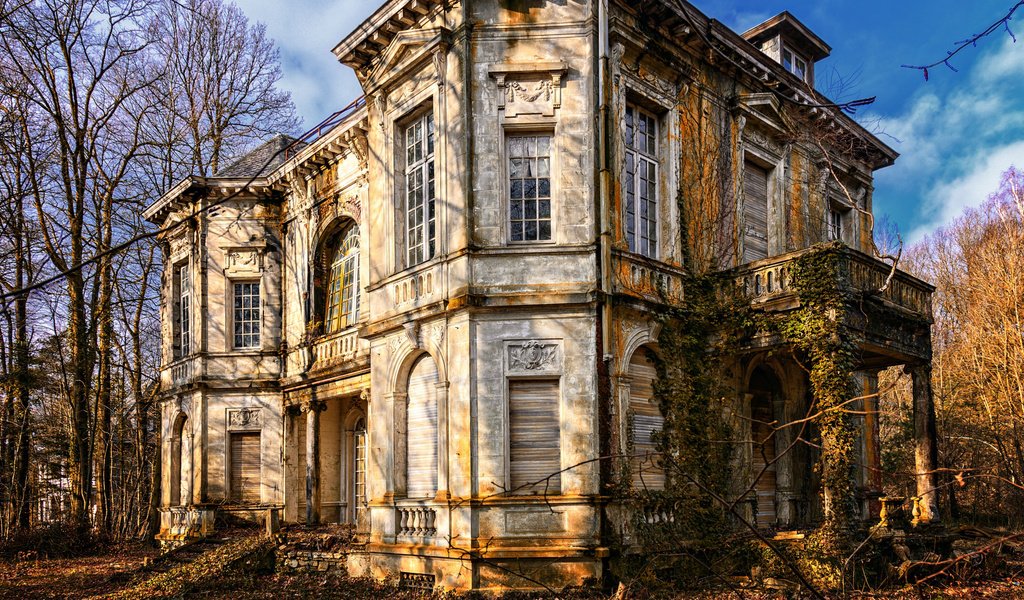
343	284
421	430
755	212
420	213
835	223
530	187
641	181
247	314
535	457
183	318
359	468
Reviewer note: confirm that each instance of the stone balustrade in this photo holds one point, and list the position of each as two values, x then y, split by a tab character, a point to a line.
417	521
180	372
646	278
336	347
771	279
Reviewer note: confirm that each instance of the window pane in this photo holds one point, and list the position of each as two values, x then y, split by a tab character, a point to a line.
529	179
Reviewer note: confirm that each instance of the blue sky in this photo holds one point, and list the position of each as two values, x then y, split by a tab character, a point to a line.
956	133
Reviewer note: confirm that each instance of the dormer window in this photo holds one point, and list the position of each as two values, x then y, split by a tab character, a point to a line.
794	63
786	40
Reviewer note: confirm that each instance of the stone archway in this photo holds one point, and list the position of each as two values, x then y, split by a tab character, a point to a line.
181	463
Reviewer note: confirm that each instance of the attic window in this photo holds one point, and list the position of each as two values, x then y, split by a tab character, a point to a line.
794	63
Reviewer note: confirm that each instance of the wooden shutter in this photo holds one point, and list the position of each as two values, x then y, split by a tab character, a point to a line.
534	439
421	440
763	446
646	471
755	212
245	467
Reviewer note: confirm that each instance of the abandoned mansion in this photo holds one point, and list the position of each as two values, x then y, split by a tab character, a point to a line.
436	316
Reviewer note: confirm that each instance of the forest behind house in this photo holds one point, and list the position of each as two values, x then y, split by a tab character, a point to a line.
107	104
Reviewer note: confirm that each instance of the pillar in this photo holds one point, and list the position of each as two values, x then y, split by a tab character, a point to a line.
312	409
926	455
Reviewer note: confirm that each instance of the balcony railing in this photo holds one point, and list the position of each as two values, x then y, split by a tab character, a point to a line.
771	279
646	278
179	373
336	347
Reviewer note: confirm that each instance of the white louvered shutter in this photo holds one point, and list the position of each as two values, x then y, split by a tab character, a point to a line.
534	439
646	471
421	443
755	212
245	467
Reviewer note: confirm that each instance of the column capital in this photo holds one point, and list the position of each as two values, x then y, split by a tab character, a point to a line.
313	406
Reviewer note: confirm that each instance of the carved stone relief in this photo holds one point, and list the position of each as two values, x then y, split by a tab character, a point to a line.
529	89
243	260
245	418
533	356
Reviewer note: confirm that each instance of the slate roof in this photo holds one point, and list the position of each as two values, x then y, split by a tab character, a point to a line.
262	161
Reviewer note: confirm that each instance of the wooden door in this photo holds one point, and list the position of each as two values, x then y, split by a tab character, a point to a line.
245	467
763	447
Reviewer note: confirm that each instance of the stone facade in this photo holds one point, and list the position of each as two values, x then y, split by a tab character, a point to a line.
428	317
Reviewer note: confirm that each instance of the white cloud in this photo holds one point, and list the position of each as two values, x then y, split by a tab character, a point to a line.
956	137
306	31
949	198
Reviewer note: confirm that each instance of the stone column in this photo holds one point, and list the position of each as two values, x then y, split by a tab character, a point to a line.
925	446
312	409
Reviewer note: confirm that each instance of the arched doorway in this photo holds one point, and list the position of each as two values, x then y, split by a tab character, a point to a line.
421	429
181	463
646	471
765	398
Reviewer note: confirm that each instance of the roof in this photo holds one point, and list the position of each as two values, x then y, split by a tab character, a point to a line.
263	160
798	33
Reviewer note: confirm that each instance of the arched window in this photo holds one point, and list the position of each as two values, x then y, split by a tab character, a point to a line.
343	283
181	464
421	429
647	470
359	469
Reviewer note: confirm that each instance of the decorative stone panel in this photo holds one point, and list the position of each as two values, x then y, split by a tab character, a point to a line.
245	419
533	357
243	261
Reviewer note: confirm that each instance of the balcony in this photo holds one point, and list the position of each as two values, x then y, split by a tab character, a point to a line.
178	373
887	320
644	278
337	348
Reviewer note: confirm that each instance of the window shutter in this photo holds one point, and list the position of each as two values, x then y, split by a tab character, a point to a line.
646	471
421	440
245	467
763	438
534	440
755	212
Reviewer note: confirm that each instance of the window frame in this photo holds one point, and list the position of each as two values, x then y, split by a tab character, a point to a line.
426	248
792	64
632	156
257	335
182	313
508	179
335	300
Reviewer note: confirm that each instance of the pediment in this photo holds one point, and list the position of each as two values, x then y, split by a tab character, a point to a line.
407	46
765	109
